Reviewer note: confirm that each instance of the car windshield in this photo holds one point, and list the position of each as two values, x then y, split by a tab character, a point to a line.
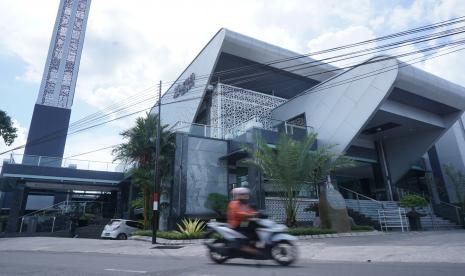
114	222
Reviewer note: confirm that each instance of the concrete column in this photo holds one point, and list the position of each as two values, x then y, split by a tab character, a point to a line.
130	199
116	203
2	195
255	186
119	204
390	187
59	196
17	208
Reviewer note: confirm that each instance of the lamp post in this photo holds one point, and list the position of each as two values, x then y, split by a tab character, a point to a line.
157	173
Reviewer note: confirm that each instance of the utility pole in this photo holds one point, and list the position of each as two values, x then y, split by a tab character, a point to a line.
157	179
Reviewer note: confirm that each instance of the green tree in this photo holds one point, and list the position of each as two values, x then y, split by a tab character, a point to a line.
458	180
139	150
292	165
7	131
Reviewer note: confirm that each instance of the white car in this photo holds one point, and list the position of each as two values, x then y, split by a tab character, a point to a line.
120	229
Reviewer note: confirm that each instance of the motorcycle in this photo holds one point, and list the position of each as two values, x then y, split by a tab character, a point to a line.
273	243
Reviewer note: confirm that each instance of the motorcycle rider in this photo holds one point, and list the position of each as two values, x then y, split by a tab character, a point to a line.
239	214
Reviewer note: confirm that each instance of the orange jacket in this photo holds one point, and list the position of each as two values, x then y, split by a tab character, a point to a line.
238	212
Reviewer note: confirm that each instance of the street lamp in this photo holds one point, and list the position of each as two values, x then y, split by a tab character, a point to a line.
157	173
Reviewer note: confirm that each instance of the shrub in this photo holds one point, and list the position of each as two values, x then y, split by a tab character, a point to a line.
170	235
301	231
362	228
217	203
412	201
191	227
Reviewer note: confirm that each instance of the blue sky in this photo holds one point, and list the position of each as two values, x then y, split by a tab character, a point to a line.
131	45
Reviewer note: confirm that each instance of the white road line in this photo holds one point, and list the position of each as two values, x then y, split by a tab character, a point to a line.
125	270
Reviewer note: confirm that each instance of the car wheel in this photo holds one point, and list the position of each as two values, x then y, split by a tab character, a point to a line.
122	236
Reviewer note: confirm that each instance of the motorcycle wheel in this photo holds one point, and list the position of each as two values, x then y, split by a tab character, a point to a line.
284	253
216	256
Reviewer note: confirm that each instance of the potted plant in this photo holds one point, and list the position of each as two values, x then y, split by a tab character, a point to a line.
413	201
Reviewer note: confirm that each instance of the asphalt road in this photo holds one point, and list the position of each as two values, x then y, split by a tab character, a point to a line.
69	263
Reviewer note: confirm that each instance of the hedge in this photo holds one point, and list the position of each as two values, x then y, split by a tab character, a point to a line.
304	231
170	235
362	228
297	231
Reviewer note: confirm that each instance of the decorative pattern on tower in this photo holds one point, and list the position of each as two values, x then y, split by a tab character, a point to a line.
62	66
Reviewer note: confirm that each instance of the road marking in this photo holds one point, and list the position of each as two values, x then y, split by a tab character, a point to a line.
125	270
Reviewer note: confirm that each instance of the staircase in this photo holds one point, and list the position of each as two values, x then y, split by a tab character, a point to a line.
434	222
368	207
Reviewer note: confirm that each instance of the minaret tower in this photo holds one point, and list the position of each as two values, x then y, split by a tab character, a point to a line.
52	111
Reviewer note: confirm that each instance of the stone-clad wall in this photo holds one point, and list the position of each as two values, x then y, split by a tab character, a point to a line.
205	173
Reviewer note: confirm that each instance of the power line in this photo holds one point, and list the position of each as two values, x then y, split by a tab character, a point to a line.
362	76
319	89
120	109
424	28
350	55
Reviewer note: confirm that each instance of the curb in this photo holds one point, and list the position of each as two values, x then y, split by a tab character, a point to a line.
304	237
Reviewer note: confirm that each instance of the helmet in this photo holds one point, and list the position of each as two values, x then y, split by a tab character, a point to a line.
241	193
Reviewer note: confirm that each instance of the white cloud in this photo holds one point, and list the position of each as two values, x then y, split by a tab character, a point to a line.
351	34
130	46
447	66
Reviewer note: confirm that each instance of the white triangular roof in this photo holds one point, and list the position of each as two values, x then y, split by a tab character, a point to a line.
184	107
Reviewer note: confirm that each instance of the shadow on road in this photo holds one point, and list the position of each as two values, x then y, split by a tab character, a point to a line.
257	265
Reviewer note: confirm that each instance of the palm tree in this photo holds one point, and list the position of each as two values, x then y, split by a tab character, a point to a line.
292	165
139	149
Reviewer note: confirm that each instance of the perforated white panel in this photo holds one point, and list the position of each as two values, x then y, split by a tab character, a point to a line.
59	80
234	106
275	209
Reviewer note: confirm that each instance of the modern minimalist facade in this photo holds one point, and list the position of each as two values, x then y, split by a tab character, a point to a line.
385	114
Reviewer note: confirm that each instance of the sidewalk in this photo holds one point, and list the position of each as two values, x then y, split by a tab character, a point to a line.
418	247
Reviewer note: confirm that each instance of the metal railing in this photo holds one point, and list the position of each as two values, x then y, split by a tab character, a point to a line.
392	219
201	130
78	164
46	219
209	131
449	211
358	196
